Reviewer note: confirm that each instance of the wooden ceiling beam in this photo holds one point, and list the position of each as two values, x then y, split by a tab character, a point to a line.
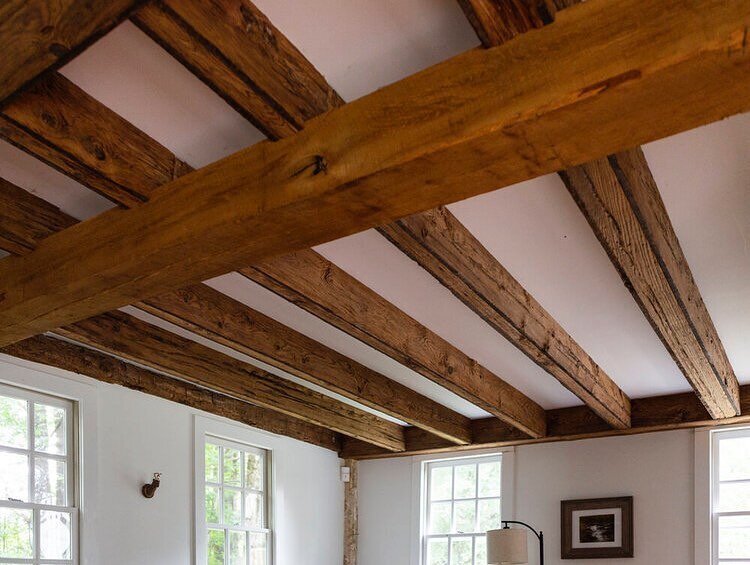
620	200
127	337
346	172
70	357
654	414
38	36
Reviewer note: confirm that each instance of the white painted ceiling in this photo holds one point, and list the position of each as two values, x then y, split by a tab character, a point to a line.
533	228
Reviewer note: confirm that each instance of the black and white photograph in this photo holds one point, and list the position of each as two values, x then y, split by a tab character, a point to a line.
597	528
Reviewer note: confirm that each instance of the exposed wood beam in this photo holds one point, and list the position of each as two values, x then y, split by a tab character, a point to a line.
215	316
39	35
346	172
622	204
236	50
498	21
129	338
70	357
134	178
351	513
448	251
320	287
655	414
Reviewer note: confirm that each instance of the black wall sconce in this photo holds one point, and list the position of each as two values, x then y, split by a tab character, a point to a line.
149	489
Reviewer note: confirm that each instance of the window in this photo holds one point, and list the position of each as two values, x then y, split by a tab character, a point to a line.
236	504
38	515
462	502
731	497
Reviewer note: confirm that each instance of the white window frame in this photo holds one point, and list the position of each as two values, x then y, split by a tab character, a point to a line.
716	436
208	430
71	459
420	504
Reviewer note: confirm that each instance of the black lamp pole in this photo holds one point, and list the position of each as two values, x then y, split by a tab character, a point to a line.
539	535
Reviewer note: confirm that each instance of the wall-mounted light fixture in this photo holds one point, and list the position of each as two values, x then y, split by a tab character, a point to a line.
149	489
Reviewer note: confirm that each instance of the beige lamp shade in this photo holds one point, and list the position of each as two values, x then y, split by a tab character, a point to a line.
507	546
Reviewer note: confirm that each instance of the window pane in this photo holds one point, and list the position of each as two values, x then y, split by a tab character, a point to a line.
258	549
437	551
55	536
14	427
734	537
237	548
464	517
480	550
254	510
440	517
232	507
215	547
466	481
49	481
212	463
212	505
232	466
253	471
16	533
734	456
734	497
489	514
15	473
489	479
441	483
461	551
49	429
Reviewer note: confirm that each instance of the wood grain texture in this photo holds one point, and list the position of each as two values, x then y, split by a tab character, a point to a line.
129	338
655	414
498	21
236	50
622	204
70	357
213	315
26	219
58	123
351	513
449	252
346	171
320	287
39	35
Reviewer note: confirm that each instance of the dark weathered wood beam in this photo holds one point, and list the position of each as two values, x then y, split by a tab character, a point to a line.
346	171
655	414
236	50
448	251
129	338
70	357
320	287
39	35
622	204
498	21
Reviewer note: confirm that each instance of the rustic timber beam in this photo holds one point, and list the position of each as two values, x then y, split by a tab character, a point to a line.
622	204
121	174
346	172
130	338
624	222
38	36
70	357
654	414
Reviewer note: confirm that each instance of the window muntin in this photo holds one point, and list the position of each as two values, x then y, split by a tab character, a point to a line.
237	504
461	502
731	497
38	514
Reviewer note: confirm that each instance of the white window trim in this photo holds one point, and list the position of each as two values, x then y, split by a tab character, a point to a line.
419	462
242	437
47	380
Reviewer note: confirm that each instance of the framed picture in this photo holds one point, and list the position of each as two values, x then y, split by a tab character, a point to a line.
597	528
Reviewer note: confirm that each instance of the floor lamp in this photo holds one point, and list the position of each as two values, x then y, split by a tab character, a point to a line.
510	546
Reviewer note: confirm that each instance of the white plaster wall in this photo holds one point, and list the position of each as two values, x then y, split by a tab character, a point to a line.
657	469
127	436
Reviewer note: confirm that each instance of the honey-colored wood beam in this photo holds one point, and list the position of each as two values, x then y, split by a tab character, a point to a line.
346	171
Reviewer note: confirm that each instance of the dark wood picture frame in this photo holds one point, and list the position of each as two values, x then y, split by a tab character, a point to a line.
567	507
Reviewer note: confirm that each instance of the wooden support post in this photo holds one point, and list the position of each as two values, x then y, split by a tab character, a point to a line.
351	514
